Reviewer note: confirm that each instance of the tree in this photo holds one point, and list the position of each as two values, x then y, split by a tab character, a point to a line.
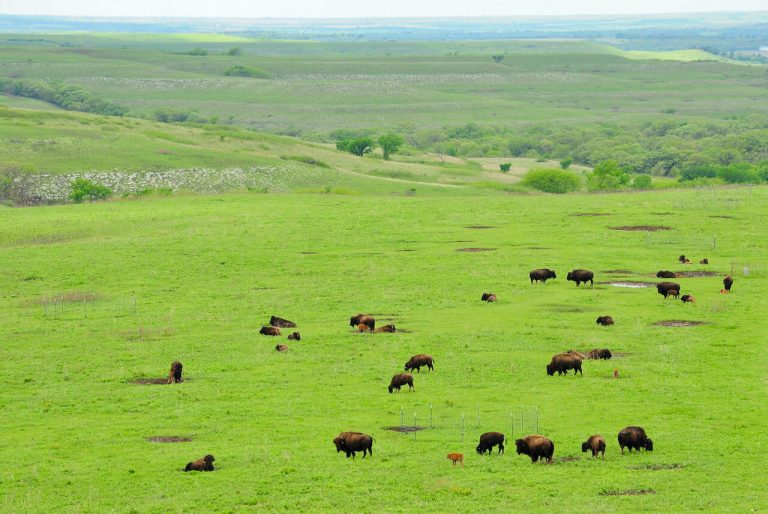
607	176
566	163
359	146
390	143
498	58
234	51
505	167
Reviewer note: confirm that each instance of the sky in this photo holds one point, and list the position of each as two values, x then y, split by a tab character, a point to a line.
362	8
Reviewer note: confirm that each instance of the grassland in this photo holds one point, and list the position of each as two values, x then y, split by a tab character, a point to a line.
97	296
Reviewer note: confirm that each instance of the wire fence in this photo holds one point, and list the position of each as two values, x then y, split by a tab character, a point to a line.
87	305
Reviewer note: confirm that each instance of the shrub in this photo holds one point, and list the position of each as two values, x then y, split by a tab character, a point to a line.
607	176
741	173
552	180
198	51
505	167
246	71
701	171
306	160
642	182
566	163
235	51
359	146
86	190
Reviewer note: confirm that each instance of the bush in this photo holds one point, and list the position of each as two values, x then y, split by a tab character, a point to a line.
198	51
552	180
359	146
741	173
505	167
246	71
306	160
235	51
56	92
642	182
607	176
566	163
86	190
701	171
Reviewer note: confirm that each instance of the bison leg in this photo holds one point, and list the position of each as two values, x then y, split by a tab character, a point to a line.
501	448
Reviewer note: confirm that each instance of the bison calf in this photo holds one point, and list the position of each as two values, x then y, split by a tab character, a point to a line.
456	457
269	331
390	329
281	348
294	336
634	438
674	293
605	321
400	380
417	361
280	322
488	297
688	298
488	440
536	447
204	464
562	362
174	375
596	443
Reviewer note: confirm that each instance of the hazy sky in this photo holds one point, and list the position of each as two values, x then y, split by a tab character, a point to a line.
363	8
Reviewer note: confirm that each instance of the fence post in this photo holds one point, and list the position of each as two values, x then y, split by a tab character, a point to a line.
478	416
414	426
430	416
462	428
402	418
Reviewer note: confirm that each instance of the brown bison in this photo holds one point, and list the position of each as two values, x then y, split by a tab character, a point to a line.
174	375
281	348
674	293
667	274
536	447
417	361
663	288
634	438
727	283
488	297
204	464
596	443
605	321
400	380
581	275
682	259
353	442
363	319
688	298
577	354
488	440
562	362
294	336
269	331
600	353
281	323
542	274
704	261
390	329
362	327
456	457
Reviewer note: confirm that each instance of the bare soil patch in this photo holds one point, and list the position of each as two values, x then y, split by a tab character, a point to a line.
479	227
169	439
722	216
619	355
406	428
618	272
642	228
627	492
569	458
580	214
658	467
308	253
408	250
150	381
535	248
679	323
632	284
476	249
693	274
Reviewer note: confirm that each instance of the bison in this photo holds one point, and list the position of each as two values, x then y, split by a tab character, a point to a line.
683	259
663	288
688	298
562	362
596	443
417	361
281	348
704	261
204	464
362	327
294	336
456	457
488	440
674	293
488	297
400	380
600	353
174	375
363	319
727	283
269	331
666	274
581	275
605	321
390	329
542	274
576	354
536	447
634	438
353	442
281	323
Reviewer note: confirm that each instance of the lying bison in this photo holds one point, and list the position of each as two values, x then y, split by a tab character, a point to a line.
727	283
400	380
488	297
363	319
683	259
353	442
562	362
536	447
688	298
581	275
281	323
269	331
604	321
634	438
294	336
417	361
281	348
600	353
704	261
664	288
666	274
596	443
541	275
390	329
174	375
488	440
204	464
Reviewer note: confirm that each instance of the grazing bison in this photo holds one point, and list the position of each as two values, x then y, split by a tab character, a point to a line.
174	375
353	442
488	297
281	348
363	319
666	274
600	353
604	321
728	282
704	261
596	443
386	328
688	298
400	380
663	288
634	438
536	447
488	440
281	323
456	457
542	274
581	275
562	362
204	464
417	361
674	293
269	331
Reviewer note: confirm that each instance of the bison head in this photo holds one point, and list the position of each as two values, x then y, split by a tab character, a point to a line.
550	370
605	354
353	321
339	442
585	447
522	446
569	276
649	445
390	389
479	449
552	274
209	458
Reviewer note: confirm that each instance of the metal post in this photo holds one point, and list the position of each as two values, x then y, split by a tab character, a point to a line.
402	418
430	416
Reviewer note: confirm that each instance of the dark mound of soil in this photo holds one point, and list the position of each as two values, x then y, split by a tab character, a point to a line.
679	323
406	428
657	467
692	274
169	439
632	284
569	458
618	272
476	249
408	250
627	492
309	253
535	248
150	381
479	227
643	228
579	214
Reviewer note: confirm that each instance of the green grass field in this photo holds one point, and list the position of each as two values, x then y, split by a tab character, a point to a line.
97	296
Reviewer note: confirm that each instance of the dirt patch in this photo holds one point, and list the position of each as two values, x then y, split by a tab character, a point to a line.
619	355
150	381
476	249
632	284
618	272
580	214
662	213
406	428
535	248
404	330
679	323
31	277
408	250
657	467
169	439
693	274
569	458
479	227
308	253
723	217
642	228
565	308
627	492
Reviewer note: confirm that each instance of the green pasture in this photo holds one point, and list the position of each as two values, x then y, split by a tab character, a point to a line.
94	297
